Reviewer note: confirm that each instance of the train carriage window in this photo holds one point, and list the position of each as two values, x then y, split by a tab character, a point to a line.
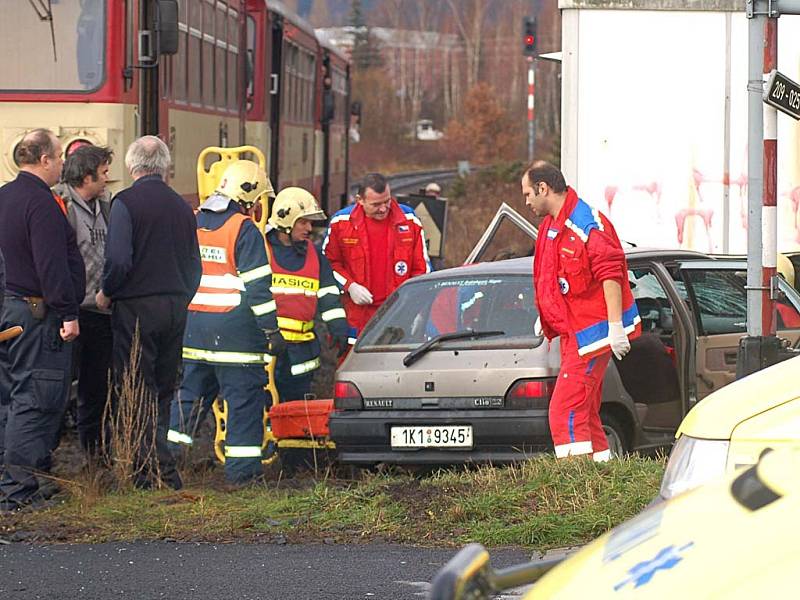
208	70
196	15
251	64
179	65
233	79
166	79
234	33
311	78
208	17
222	23
193	72
219	73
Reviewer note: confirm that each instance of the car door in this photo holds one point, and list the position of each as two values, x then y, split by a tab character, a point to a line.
652	372
509	235
716	295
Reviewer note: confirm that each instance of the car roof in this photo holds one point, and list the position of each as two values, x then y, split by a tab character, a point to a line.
524	265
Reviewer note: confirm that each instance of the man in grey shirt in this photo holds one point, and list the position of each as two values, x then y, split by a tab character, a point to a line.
83	189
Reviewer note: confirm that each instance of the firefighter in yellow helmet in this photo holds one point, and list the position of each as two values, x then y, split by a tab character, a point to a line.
788	317
302	287
225	340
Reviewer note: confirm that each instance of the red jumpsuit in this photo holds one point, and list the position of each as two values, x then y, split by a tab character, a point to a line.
575	253
347	248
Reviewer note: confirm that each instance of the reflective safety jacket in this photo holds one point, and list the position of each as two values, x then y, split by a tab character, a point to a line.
302	287
347	248
232	307
575	253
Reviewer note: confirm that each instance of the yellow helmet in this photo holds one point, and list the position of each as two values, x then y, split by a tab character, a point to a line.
786	268
245	182
294	203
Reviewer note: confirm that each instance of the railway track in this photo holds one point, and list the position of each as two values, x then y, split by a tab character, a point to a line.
414	180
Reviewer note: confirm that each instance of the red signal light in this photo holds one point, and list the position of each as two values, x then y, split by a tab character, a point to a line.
529	40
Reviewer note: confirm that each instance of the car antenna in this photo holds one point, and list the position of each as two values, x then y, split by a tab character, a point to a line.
45	13
631	244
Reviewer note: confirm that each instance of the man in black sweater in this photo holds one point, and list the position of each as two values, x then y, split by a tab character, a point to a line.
151	272
45	282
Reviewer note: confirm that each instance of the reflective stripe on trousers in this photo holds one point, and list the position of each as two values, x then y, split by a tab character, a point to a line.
226	357
243	451
179	438
305	367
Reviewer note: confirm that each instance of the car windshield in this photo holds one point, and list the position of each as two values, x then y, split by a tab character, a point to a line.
79	32
422	310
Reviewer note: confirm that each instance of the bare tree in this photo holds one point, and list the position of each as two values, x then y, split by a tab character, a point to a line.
469	16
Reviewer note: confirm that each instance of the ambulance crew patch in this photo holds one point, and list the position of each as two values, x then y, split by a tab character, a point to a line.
400	268
563	285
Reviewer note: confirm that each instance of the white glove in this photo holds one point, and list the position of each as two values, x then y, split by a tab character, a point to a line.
620	345
537	327
359	294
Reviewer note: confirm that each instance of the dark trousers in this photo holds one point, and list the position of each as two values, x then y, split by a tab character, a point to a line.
242	387
35	370
198	390
291	387
160	321
93	355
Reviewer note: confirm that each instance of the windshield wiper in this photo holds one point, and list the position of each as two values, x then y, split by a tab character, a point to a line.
418	352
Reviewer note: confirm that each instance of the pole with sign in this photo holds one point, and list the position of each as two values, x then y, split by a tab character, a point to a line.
783	94
761	348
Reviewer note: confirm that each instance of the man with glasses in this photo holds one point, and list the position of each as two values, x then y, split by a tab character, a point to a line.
45	283
373	246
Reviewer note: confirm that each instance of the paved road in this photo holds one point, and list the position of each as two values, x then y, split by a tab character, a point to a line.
146	570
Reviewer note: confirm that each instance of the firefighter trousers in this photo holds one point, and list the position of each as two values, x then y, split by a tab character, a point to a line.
242	387
575	424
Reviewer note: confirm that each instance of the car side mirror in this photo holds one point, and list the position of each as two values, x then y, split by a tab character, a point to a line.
665	320
469	575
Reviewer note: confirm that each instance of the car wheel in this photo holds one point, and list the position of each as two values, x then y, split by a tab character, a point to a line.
615	433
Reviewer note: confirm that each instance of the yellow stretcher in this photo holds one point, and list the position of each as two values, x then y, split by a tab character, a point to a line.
207	181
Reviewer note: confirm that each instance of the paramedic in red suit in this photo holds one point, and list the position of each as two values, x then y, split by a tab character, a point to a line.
373	246
582	293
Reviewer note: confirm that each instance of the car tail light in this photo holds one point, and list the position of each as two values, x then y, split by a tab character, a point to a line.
346	396
530	393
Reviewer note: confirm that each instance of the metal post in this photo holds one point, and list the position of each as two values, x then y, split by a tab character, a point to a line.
755	166
750	356
531	104
769	217
761	348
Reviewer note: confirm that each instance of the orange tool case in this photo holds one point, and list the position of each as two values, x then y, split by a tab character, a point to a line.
300	419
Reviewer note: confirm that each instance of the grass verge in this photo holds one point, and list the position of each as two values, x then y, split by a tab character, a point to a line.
542	503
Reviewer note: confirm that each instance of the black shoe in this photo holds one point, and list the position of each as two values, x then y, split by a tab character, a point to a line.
47	489
9	506
35	502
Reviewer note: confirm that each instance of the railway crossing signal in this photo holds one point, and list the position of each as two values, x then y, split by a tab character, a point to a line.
529	39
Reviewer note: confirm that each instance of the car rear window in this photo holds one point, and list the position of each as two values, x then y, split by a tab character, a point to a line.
421	310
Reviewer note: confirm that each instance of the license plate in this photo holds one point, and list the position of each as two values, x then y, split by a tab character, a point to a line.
432	436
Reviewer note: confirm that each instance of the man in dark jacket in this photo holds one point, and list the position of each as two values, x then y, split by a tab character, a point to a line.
83	189
45	282
152	271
